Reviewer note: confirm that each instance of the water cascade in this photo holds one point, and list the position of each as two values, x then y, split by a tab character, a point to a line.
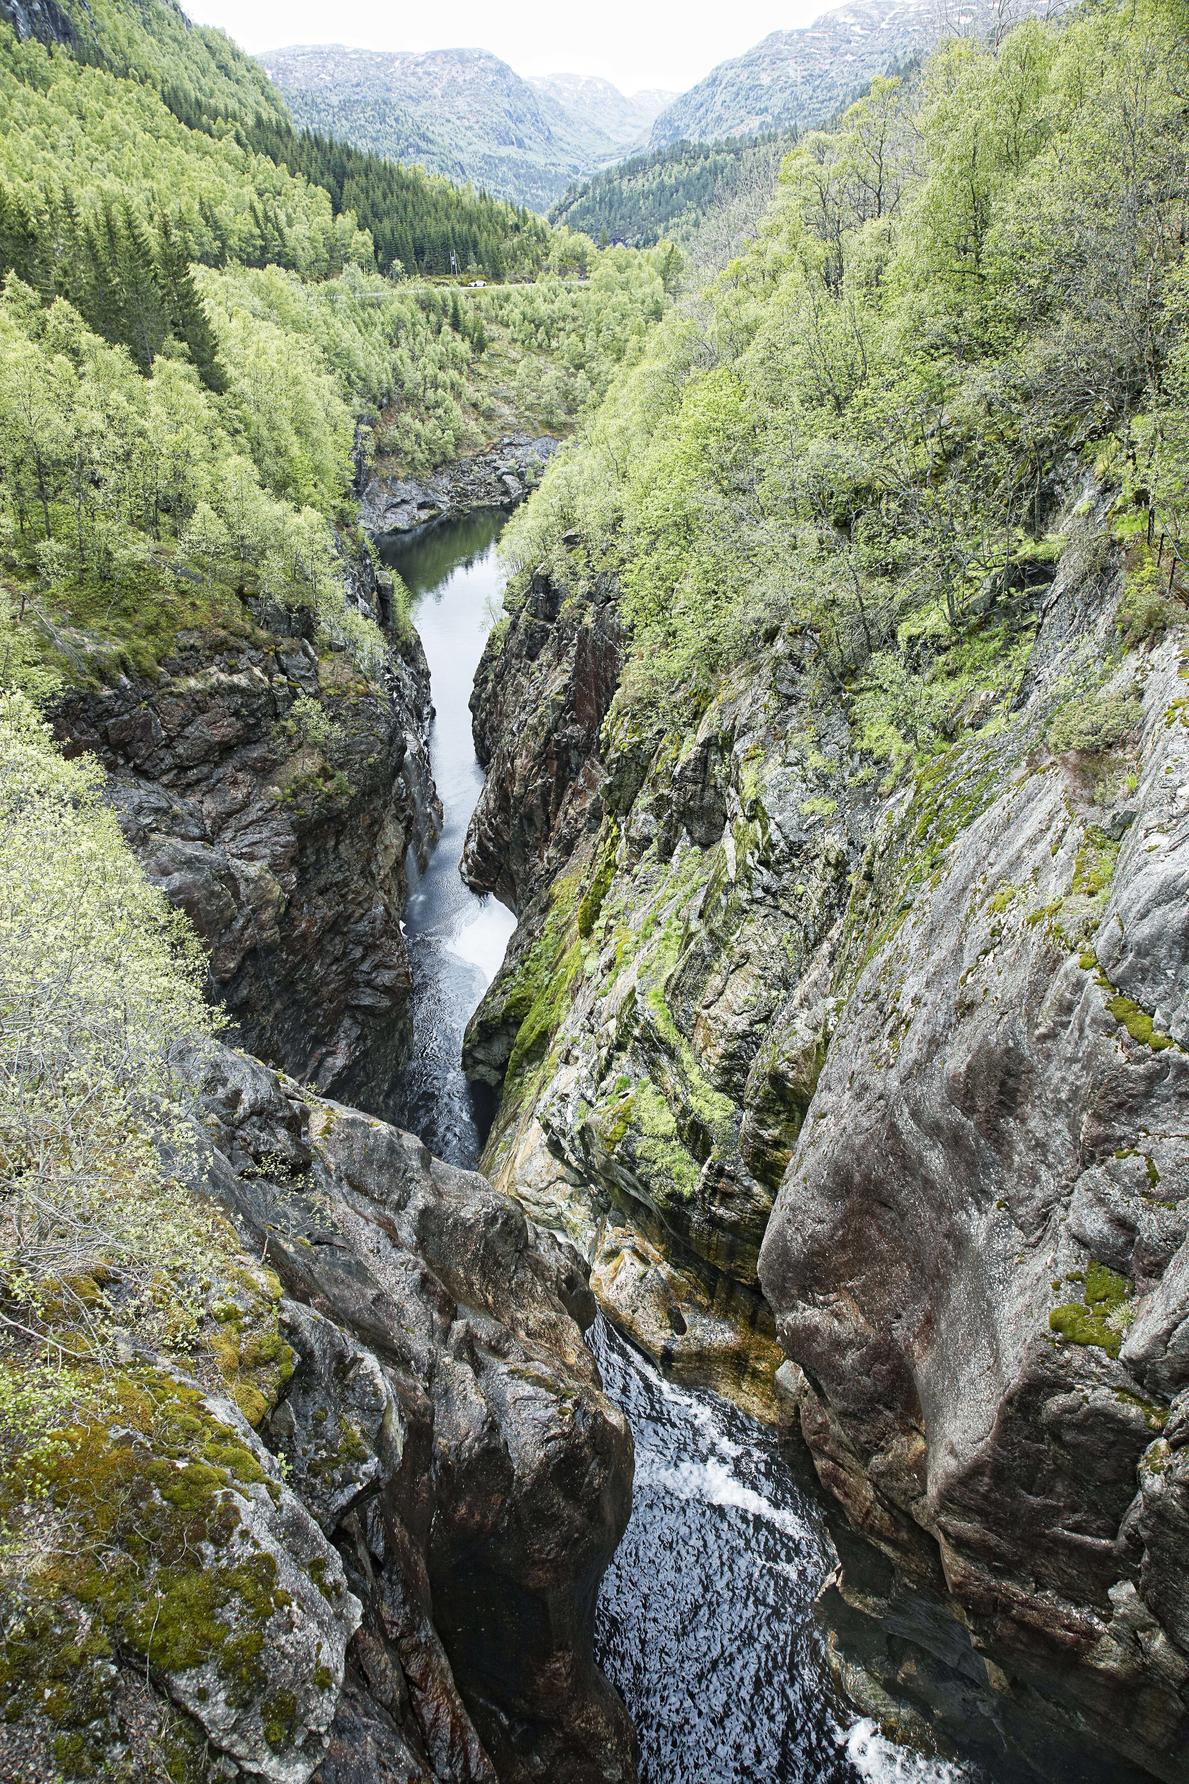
705	1620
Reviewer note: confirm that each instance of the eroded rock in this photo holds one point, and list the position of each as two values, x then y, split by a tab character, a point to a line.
285	846
445	1426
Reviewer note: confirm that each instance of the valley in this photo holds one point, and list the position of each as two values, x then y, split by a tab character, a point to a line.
593	923
465	114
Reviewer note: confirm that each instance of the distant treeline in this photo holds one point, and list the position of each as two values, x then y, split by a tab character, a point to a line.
417	221
664	193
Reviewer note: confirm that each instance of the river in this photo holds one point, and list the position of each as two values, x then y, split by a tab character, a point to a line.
705	1620
456	940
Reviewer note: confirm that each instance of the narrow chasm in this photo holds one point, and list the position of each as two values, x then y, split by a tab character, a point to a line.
456	938
705	1621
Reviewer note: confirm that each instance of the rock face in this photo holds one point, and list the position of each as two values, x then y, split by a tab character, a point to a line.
443	1425
282	835
658	1025
541	694
800	78
944	1031
977	1257
494	479
44	19
351	1527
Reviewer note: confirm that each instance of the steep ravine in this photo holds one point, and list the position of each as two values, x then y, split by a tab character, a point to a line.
274	790
924	1046
726	1684
352	1528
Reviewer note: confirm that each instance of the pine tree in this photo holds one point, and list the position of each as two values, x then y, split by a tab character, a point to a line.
18	238
188	319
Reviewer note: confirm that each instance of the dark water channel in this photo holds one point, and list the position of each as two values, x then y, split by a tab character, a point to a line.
456	940
704	1620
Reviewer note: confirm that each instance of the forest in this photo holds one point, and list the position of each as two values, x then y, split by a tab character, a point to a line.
192	328
668	192
854	434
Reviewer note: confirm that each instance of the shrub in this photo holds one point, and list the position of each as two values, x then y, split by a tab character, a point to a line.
101	992
1092	725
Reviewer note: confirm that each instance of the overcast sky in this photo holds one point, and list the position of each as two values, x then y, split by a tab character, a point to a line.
635	43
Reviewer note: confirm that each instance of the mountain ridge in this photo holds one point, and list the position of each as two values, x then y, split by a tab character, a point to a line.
465	113
802	77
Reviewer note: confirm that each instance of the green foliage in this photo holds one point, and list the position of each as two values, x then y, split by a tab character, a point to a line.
116	485
190	329
101	985
120	1487
1094	724
855	438
308	725
80	142
474	362
418	222
668	193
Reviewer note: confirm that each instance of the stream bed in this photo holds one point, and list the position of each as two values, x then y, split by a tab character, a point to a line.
705	1621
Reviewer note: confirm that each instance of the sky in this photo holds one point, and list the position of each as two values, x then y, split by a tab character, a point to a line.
634	43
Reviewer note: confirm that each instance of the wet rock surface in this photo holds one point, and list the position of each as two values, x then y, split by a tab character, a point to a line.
392	503
943	1030
444	1427
283	842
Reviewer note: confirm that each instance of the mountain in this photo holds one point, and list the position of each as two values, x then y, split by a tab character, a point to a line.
802	77
464	113
673	192
608	115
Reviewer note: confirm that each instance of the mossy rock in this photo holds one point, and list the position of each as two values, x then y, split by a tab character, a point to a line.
1103	1314
150	1567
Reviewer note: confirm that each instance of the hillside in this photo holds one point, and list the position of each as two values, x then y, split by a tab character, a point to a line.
463	113
676	193
795	79
836	749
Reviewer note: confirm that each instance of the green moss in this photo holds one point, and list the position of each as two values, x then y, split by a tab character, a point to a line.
147	1483
669	1164
254	1359
351	1447
1094	867
591	903
1138	1023
280	1719
1101	1317
133	629
1153	1173
1001	899
536	993
1155	1416
949	793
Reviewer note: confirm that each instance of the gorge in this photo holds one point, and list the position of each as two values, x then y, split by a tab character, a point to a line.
732	1681
594	936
